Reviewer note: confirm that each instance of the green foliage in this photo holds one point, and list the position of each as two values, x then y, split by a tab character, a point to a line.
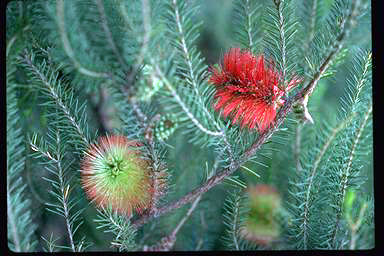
20	228
331	166
124	233
280	36
80	69
53	149
165	126
71	117
232	220
188	94
311	15
247	19
352	148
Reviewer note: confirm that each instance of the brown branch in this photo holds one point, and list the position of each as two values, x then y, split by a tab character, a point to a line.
168	242
264	136
221	175
297	146
336	47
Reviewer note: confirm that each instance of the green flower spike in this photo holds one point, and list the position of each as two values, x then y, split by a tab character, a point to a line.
114	175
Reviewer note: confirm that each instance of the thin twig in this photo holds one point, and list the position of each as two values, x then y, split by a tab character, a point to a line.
145	9
249	24
236	221
316	163
263	137
188	59
312	24
336	47
194	82
64	191
187	215
346	173
183	105
355	227
48	155
139	113
200	243
167	242
281	27
54	94
297	147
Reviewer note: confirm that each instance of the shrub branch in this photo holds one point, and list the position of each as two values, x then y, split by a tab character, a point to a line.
264	136
346	173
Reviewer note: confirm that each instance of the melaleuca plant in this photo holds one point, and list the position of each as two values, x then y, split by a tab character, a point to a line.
158	125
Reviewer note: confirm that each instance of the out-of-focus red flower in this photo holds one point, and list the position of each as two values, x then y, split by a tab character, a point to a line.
248	89
260	224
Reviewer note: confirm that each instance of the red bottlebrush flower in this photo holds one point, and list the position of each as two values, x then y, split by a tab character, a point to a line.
248	89
114	175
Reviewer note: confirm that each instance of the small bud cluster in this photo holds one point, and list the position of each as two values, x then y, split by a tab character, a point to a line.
149	85
167	125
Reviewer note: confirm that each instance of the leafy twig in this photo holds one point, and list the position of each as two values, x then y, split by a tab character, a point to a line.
64	193
281	27
61	185
183	105
145	8
55	93
336	47
188	60
167	242
315	165
355	226
346	173
264	136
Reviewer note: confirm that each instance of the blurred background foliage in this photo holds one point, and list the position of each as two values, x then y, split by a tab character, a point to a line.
205	229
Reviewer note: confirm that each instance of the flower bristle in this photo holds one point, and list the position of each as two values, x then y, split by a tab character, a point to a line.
249	89
114	174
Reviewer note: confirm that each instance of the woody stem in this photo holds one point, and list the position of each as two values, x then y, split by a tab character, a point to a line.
265	135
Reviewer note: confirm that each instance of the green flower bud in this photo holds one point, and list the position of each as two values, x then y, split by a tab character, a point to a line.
115	175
